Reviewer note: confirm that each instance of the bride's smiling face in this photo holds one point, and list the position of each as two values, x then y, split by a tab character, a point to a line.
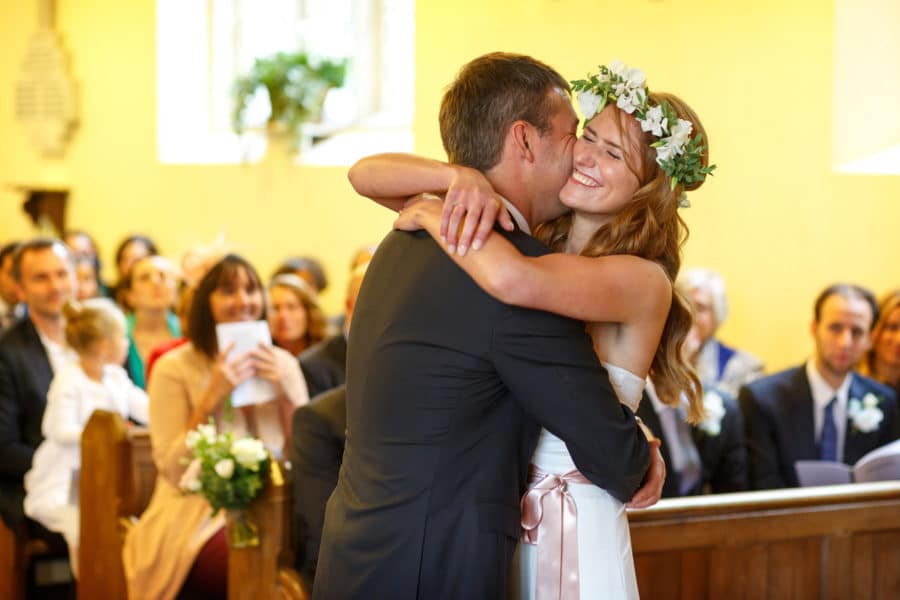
601	182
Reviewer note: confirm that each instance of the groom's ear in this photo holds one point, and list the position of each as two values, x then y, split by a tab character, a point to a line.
522	135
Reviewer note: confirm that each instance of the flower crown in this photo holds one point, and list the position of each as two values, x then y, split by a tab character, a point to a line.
677	153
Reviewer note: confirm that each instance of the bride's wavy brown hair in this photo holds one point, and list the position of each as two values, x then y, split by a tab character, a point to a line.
651	228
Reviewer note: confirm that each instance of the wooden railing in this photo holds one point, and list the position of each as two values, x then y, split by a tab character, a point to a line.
831	542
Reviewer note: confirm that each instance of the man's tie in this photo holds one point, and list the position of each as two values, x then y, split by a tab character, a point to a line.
828	441
682	450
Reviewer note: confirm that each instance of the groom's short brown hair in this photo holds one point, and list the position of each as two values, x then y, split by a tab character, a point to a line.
488	95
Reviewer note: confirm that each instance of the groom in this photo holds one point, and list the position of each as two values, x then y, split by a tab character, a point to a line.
447	388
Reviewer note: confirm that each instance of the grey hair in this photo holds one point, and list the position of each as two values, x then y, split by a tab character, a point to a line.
705	279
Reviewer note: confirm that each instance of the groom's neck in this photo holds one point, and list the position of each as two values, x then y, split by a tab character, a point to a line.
511	187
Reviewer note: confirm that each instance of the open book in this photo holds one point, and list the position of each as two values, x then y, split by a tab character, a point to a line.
881	464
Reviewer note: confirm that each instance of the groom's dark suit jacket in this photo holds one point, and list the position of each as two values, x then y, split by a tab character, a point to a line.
780	427
723	457
25	376
446	388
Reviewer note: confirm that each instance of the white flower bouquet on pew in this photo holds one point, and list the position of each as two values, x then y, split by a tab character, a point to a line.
229	473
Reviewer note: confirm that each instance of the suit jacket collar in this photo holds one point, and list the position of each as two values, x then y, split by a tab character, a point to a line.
517	216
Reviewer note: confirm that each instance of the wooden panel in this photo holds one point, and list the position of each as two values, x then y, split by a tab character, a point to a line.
12	564
838	542
887	565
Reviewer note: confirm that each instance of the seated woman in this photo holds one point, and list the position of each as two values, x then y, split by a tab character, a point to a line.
149	293
882	361
178	544
130	250
96	331
295	319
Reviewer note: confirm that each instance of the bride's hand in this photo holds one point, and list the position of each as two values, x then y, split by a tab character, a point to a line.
651	491
471	202
417	209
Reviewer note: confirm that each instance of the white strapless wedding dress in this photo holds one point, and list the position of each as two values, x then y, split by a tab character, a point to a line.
605	564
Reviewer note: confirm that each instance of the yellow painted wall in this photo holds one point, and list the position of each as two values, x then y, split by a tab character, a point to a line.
775	220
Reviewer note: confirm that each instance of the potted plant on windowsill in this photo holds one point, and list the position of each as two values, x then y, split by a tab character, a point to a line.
296	86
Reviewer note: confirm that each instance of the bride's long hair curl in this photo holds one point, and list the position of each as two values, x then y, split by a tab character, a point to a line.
651	227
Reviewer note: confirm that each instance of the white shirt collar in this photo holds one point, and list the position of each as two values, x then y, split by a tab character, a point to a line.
516	215
822	393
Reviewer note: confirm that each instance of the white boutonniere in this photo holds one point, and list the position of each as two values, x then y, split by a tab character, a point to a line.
714	407
865	414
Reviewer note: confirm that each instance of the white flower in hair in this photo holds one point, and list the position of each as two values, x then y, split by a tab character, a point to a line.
656	122
589	102
634	78
617	67
665	151
681	134
629	100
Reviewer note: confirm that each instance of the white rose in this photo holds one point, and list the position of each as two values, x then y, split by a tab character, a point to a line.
715	410
191	439
208	432
588	102
190	479
868	419
870	400
225	468
655	122
248	452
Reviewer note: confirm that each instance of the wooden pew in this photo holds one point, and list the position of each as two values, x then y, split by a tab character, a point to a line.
116	482
831	542
117	479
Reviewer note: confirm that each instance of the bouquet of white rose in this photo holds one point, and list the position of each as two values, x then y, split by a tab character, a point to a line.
229	473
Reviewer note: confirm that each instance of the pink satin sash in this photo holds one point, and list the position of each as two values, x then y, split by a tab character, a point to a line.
552	526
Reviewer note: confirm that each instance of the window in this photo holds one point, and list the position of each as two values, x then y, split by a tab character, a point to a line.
204	45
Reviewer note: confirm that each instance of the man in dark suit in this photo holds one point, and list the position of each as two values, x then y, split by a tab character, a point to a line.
317	447
807	412
711	455
30	351
447	387
324	365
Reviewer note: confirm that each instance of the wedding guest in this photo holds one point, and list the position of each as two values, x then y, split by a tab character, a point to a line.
148	291
10	308
709	457
809	412
86	280
178	545
31	351
882	361
83	246
295	319
307	268
716	363
325	364
95	329
131	249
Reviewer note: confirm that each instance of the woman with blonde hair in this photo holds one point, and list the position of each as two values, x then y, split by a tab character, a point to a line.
295	319
882	361
619	256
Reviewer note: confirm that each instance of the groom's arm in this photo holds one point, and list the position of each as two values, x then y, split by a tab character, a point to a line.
548	362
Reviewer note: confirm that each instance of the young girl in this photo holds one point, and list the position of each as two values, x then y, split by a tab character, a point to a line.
95	329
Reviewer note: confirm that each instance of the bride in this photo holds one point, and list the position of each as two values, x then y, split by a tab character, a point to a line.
618	254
